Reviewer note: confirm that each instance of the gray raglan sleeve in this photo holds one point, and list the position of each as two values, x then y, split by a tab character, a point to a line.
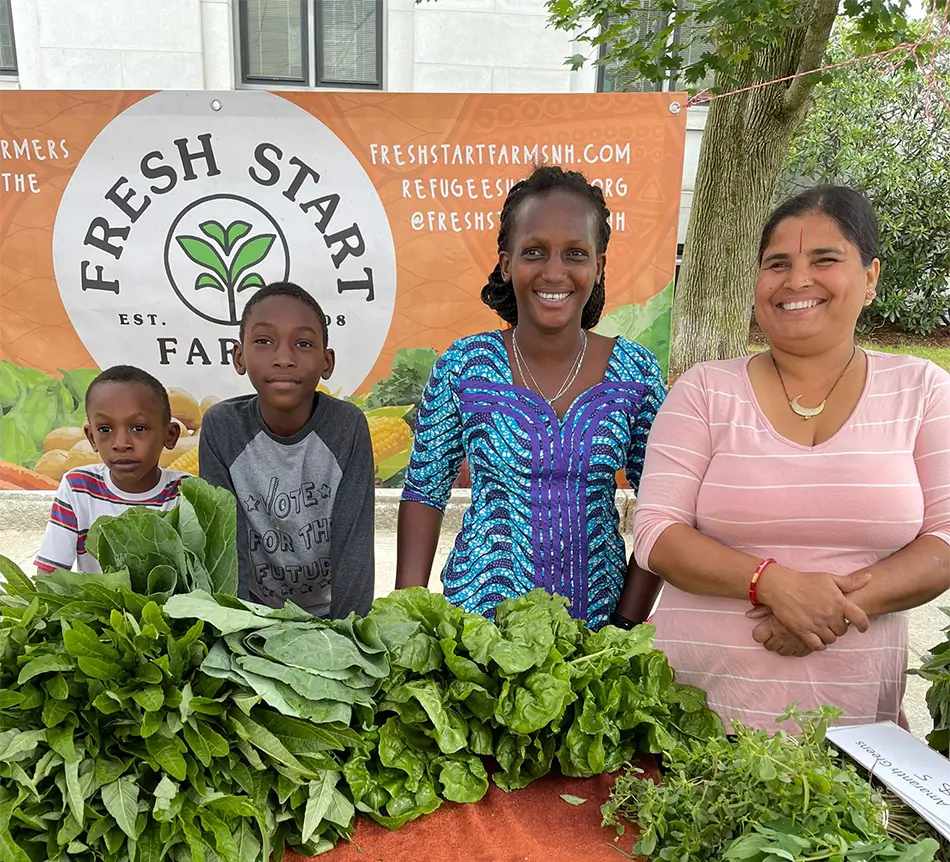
352	559
212	466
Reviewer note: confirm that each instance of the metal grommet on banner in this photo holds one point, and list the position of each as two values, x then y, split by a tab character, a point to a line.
675	107
215	105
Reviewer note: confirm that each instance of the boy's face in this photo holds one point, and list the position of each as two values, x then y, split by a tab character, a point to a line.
284	353
127	427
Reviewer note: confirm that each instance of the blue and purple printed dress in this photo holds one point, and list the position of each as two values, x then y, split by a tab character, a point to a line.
543	512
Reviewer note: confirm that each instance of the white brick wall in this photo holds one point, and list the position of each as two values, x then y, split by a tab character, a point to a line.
489	46
123	44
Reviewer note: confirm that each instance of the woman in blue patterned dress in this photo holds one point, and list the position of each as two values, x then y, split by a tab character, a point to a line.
546	413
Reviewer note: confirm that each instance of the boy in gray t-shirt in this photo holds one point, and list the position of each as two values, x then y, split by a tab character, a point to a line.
300	464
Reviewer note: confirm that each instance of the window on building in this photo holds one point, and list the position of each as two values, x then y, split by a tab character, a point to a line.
312	43
611	77
695	39
649	21
7	48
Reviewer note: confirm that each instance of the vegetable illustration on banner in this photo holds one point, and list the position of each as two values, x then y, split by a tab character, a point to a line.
156	216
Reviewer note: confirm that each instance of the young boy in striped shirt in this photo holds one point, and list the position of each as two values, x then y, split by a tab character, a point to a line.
128	423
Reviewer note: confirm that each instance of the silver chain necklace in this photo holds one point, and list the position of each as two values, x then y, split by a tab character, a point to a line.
522	364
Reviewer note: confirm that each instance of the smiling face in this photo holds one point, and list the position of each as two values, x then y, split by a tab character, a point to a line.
552	261
812	284
283	353
127	426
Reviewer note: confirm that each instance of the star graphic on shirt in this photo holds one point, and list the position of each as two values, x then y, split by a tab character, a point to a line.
324	491
252	503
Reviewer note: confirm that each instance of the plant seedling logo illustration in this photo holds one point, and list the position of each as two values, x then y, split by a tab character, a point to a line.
219	250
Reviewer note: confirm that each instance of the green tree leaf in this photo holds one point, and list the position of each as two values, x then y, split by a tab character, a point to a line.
250	254
204	254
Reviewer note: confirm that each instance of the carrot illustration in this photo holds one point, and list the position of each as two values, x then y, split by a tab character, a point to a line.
22	479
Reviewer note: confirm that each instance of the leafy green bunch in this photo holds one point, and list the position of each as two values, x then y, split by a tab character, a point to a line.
33	403
936	670
120	748
529	687
322	671
190	547
760	798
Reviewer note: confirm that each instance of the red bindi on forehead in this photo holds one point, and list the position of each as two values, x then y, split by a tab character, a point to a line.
801	239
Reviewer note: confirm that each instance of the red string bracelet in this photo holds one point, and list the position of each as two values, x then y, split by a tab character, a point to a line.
755	580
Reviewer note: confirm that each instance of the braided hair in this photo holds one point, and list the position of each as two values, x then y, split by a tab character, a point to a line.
498	294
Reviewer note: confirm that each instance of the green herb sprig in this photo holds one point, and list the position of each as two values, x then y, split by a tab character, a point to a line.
759	798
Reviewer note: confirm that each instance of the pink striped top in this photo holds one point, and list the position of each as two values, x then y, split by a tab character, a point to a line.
715	463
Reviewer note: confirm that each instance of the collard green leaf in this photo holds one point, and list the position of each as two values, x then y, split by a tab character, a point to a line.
311	686
319	648
138	540
162	579
215	515
201	605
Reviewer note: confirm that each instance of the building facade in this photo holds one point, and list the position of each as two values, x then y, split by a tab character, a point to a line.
474	46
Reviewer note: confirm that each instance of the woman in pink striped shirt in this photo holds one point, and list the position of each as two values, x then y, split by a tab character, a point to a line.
813	479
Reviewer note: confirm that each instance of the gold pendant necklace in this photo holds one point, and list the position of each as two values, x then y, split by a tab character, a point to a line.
808	412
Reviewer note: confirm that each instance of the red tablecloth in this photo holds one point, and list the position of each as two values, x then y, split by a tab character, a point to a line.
530	825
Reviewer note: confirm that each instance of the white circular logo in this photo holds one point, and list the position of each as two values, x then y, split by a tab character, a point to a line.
177	214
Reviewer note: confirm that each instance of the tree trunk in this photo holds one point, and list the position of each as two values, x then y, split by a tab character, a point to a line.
744	147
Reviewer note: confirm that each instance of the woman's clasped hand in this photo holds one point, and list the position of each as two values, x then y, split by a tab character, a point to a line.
802	612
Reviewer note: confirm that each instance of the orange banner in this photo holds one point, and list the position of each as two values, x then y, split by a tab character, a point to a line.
134	226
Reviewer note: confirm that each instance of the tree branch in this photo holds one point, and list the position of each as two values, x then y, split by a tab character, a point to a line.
812	53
